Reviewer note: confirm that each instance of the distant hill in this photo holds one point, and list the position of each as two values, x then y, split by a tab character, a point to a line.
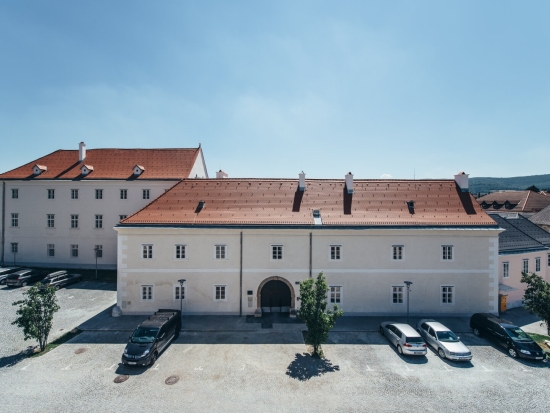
486	185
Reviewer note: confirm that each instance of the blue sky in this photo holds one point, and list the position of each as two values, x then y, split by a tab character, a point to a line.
271	88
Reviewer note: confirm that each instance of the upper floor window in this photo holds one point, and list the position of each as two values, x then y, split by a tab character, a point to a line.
123	194
537	264
74	221
397	294
98	251
99	194
181	252
121	217
276	252
447	252
99	221
145	194
335	294
14	247
526	265
14	220
335	252
51	250
51	220
221	252
447	294
74	193
397	252
147	251
15	193
505	269
51	193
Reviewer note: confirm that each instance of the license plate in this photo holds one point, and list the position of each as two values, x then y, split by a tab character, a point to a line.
132	362
538	358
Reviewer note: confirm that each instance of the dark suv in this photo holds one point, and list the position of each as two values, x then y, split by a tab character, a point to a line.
514	339
152	337
24	277
4	272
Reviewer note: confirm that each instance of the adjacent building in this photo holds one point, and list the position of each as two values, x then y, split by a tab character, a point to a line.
525	202
542	218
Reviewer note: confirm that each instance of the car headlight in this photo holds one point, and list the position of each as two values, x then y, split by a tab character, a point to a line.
452	354
145	353
126	351
525	351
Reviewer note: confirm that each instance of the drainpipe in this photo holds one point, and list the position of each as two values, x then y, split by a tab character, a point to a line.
3	217
241	280
310	253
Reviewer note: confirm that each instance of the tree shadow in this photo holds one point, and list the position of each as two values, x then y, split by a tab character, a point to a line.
304	367
9	361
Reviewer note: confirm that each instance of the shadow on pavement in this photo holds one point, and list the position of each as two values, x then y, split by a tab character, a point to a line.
92	285
304	367
130	371
9	361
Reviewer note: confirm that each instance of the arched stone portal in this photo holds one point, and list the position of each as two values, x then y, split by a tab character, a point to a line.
275	294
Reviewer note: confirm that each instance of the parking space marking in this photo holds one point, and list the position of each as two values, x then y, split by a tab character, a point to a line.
156	367
242	368
524	369
187	349
67	368
486	369
198	368
515	381
110	368
447	368
369	369
408	368
25	368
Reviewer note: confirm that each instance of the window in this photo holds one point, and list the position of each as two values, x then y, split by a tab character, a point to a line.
219	294
99	221
51	220
276	252
447	252
397	252
397	294
51	250
505	269
335	294
220	252
74	221
447	294
74	193
123	194
335	252
147	251
14	220
181	252
146	293
121	217
15	247
548	260
98	251
15	193
74	250
145	194
177	296
99	194
51	193
526	265
537	264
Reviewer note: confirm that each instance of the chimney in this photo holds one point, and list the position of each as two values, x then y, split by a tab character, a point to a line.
349	183
302	181
81	151
221	174
461	180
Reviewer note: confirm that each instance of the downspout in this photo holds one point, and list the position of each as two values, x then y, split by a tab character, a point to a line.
310	253
3	217
241	280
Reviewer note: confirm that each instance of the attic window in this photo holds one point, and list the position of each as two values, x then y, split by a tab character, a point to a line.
138	170
410	205
86	169
200	206
38	169
317	217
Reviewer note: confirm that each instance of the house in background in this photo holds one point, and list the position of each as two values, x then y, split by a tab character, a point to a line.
60	210
542	219
523	247
526	202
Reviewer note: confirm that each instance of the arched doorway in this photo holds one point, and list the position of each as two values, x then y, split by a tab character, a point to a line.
275	295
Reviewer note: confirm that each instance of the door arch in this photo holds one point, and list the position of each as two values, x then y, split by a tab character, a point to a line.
276	293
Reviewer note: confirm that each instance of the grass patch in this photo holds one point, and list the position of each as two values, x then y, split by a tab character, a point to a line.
540	339
56	343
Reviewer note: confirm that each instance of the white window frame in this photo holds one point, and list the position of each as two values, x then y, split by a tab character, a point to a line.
224	251
74	221
15	220
398	253
146	193
123	194
224	292
50	220
537	264
74	193
443	253
51	193
525	265
401	292
337	248
99	194
443	293
278	250
15	193
149	290
147	249
99	221
176	292
50	248
506	269
74	247
98	250
331	293
184	246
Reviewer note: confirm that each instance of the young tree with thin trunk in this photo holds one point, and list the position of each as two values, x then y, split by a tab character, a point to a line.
537	297
313	311
35	314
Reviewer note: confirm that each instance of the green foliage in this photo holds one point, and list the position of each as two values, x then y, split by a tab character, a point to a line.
537	296
532	188
313	311
35	314
518	183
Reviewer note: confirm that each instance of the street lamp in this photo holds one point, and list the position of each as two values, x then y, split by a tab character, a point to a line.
96	249
408	283
181	294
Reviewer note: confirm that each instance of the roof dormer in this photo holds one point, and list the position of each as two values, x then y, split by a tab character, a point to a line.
38	169
138	170
86	169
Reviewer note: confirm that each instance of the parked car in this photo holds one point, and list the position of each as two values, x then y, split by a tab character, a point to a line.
443	340
24	277
404	337
5	271
60	279
505	333
152	337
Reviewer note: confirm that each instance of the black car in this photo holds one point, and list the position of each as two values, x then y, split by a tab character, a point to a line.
60	279
505	333
5	271
24	277
152	337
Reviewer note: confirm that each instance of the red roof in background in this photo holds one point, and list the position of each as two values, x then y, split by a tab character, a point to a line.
514	201
111	164
277	202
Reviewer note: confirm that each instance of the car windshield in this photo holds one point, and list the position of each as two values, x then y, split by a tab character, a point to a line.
447	336
144	335
46	281
517	334
414	340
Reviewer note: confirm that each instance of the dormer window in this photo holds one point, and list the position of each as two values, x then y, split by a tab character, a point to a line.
138	170
86	169
38	169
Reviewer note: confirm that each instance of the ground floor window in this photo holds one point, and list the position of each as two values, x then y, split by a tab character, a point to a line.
397	294
537	264
179	293
447	294
505	269
219	292
98	251
526	265
335	294
74	250
51	250
15	247
146	293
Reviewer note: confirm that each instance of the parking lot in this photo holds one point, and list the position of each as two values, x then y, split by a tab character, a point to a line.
271	370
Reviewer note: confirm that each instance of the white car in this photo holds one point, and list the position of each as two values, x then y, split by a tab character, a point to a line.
443	340
404	337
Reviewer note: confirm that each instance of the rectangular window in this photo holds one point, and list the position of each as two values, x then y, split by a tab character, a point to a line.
99	194
74	193
181	252
14	247
51	220
51	250
335	294
526	265
15	193
51	193
177	295
505	269
74	250
548	260
74	221
147	251
537	264
99	221
98	251
397	294
447	294
335	251
447	252
14	220
397	252
219	292
146	293
121	217
276	252
145	194
123	194
220	252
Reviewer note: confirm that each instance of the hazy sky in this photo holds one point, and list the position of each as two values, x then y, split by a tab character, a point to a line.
271	88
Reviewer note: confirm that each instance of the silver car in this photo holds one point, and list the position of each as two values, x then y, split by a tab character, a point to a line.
404	337
443	340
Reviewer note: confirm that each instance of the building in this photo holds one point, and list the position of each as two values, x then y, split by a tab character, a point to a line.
60	209
525	202
523	247
542	218
243	246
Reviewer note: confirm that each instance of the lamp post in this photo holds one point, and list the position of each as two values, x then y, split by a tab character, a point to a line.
96	249
408	283
181	294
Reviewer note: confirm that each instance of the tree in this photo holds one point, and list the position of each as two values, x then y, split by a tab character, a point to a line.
313	311
532	188
35	314
537	297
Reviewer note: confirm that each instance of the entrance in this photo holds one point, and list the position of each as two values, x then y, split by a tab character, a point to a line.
275	297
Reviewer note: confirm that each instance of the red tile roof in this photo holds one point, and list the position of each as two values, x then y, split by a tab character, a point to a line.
277	202
111	164
514	201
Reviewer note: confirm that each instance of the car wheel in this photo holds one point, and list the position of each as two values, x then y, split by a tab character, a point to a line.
57	287
441	353
399	350
477	332
24	284
153	359
381	331
512	352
